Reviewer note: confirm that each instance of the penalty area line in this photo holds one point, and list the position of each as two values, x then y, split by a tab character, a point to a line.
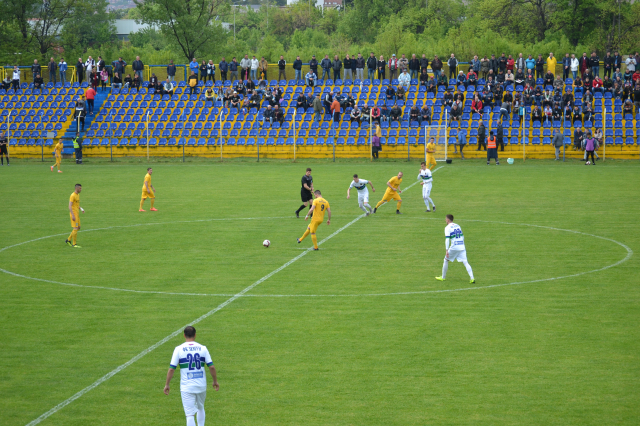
180	330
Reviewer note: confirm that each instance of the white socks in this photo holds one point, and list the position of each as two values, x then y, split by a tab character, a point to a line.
466	265
191	421
201	417
445	267
365	207
428	200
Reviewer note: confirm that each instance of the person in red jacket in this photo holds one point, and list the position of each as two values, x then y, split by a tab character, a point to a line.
90	95
335	109
476	105
597	84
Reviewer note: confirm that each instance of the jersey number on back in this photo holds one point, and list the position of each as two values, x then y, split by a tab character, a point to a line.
194	361
322	207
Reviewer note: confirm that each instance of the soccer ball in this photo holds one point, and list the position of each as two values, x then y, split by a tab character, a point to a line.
266	243
588	163
510	160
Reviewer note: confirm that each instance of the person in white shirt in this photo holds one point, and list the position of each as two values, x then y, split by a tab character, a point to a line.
192	358
254	68
405	79
426	182
88	68
454	244
575	64
16	78
363	193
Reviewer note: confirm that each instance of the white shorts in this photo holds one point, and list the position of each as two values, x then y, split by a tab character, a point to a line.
363	197
426	190
459	255
193	402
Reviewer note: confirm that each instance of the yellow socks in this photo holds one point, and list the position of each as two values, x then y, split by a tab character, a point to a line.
73	236
305	234
398	205
315	240
152	201
141	203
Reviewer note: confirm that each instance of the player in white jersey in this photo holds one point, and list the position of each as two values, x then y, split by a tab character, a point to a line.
427	181
192	358
454	244
363	193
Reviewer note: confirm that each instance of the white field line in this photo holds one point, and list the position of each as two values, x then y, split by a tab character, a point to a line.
180	330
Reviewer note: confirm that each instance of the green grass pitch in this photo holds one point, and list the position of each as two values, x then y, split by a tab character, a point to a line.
331	350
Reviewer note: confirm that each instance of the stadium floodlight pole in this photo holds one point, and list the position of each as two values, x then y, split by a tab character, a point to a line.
148	135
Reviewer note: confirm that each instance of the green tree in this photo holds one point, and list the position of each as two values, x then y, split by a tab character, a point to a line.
88	26
188	25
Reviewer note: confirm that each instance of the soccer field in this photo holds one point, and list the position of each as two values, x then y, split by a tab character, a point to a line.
358	333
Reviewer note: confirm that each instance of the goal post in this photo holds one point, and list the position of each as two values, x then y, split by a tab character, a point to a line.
442	138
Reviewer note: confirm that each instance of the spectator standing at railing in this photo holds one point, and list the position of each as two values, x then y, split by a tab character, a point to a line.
120	66
347	68
381	66
484	67
510	64
502	63
89	65
584	63
313	65
566	66
393	67
475	65
62	67
80	70
138	68
403	64
211	70
359	63
254	68
608	64
574	66
224	67
530	64
282	68
264	65
245	65
424	63
594	62
539	67
53	68
36	68
100	64
520	62
104	78
203	70
414	67
617	61
297	68
325	64
233	69
94	79
631	64
551	63
453	65
436	66
171	71
336	65
372	65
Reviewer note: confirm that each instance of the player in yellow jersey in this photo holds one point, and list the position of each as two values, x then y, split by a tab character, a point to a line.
392	193
74	215
57	151
319	206
431	151
148	191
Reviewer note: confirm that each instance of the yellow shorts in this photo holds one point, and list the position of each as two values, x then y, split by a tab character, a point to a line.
391	195
75	223
313	226
146	194
431	160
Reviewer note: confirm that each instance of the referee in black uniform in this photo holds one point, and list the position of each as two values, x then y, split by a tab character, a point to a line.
3	147
306	192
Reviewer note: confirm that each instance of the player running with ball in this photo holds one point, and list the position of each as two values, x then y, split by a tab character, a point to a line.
454	244
363	193
427	181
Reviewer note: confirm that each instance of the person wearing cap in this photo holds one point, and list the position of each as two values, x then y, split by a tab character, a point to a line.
393	67
235	100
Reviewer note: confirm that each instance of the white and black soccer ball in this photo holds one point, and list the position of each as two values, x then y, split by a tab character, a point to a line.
266	243
588	163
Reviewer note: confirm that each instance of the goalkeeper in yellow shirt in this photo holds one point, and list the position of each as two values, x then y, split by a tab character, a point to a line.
392	193
148	191
57	152
318	208
431	151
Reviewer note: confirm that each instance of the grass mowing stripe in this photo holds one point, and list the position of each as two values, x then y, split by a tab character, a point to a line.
180	330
